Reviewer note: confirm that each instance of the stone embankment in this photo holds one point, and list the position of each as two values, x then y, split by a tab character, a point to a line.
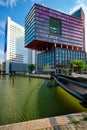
52	123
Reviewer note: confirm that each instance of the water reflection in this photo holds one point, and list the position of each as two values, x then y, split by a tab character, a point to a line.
26	100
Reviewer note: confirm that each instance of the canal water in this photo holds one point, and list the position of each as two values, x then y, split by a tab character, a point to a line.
32	99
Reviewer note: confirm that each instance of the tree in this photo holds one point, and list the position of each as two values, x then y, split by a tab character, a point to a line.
66	71
31	67
47	68
78	65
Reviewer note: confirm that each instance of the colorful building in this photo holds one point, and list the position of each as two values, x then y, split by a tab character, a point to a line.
57	36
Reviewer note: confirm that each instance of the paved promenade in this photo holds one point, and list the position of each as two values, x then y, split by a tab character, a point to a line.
52	123
82	75
44	76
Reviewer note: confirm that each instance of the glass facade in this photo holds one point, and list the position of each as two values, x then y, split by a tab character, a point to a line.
14	51
63	58
45	27
78	13
48	25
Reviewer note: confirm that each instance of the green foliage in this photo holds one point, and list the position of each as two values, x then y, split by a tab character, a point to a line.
74	122
47	67
77	122
84	118
78	65
66	70
31	67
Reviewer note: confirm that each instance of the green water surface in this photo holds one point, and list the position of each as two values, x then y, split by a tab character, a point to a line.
26	100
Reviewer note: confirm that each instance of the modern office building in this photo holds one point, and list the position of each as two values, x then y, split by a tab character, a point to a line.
17	57
1	67
57	36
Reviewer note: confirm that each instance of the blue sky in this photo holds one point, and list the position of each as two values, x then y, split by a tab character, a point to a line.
18	9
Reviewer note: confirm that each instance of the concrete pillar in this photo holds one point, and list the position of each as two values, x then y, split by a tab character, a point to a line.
55	56
61	46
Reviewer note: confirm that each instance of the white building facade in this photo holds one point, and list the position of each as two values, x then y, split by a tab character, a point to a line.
14	50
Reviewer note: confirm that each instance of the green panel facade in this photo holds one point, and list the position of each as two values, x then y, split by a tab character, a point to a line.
55	26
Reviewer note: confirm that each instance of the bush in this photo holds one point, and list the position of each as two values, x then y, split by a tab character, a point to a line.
84	118
74	122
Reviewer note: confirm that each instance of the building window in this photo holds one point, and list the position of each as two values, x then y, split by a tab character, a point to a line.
55	26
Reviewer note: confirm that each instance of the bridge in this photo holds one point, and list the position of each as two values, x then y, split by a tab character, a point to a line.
75	86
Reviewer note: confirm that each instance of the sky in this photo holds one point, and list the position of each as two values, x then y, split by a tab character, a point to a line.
18	9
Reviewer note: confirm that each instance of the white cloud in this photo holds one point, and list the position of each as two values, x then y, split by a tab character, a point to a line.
1	55
2	27
1	32
83	4
2	24
10	3
80	1
37	1
60	10
2	3
1	52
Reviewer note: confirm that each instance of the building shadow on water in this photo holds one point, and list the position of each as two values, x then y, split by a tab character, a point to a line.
56	101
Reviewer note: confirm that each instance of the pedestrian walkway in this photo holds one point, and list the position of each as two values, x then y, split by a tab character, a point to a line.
52	123
82	75
44	76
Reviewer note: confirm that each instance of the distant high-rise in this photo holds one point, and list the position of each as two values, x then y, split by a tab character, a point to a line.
16	56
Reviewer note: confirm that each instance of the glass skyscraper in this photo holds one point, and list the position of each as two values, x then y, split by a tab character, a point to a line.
17	57
59	37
